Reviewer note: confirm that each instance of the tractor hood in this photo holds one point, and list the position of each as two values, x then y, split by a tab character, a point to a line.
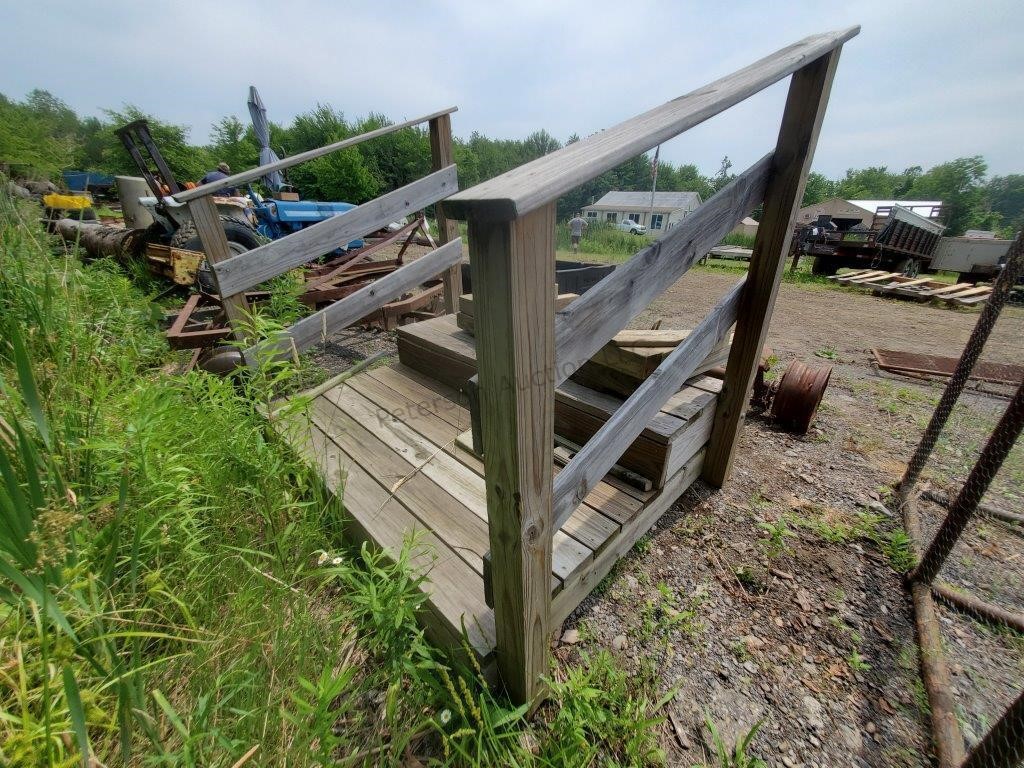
295	211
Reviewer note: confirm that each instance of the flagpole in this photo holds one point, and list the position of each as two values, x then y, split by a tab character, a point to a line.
654	185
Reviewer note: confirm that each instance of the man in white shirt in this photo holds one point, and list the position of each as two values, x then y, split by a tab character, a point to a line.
576	226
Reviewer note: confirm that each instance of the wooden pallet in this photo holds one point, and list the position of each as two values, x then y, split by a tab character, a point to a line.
883	283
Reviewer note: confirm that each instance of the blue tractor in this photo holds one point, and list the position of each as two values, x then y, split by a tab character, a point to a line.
277	218
247	222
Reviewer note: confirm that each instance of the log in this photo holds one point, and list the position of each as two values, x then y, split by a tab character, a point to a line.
100	241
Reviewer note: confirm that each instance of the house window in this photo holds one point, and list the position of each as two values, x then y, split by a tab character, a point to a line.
611	217
656	220
591	214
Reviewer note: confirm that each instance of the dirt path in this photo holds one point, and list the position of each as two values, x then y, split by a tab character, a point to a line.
776	600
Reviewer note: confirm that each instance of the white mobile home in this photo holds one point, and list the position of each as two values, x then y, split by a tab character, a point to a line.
669	208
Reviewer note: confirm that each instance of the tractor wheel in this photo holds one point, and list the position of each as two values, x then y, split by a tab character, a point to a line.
824	266
241	238
908	267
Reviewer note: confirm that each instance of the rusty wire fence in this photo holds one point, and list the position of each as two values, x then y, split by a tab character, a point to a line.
968	584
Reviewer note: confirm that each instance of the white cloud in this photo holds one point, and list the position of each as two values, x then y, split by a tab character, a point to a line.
923	83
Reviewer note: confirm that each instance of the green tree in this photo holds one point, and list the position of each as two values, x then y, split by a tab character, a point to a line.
235	144
186	161
818	188
339	176
30	142
959	184
1006	197
395	159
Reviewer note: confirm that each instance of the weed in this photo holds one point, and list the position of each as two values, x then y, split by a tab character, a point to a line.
594	706
777	532
666	614
896	545
828	352
857	662
750	580
738	756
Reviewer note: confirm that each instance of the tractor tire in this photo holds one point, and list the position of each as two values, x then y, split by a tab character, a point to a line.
909	267
241	238
823	266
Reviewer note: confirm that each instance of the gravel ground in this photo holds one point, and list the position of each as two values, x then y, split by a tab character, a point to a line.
775	599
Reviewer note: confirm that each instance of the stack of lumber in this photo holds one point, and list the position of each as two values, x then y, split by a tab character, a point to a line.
883	283
440	349
622	364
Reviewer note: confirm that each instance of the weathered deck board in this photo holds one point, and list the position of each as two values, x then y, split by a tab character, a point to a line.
455	590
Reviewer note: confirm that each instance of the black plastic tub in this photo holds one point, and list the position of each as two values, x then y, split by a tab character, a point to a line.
571	276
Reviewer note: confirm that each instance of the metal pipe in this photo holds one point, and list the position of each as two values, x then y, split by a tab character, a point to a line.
962	510
983	328
1003	745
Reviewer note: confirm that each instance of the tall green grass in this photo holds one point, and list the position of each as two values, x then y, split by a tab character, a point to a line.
176	590
601	238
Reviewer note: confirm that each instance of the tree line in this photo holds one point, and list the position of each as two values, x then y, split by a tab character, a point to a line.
40	136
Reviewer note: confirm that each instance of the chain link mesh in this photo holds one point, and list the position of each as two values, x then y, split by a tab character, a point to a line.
973	560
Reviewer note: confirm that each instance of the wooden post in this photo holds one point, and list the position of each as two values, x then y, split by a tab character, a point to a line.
441	156
215	246
794	150
514	296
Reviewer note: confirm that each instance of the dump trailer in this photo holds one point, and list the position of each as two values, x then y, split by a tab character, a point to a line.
898	239
974	258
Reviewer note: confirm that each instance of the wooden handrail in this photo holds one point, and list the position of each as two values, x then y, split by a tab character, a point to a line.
586	325
542	181
252	174
320	325
595	458
251	268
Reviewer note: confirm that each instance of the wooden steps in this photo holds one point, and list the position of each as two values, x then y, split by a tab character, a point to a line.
439	348
385	442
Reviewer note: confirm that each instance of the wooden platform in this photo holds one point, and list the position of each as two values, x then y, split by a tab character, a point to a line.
385	443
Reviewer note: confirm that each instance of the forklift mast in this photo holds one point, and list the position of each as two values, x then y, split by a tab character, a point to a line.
136	139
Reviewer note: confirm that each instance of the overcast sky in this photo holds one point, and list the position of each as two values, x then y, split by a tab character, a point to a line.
924	82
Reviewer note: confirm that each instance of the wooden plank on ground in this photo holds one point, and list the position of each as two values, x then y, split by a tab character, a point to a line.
874	279
853	276
972	291
848	274
278	256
